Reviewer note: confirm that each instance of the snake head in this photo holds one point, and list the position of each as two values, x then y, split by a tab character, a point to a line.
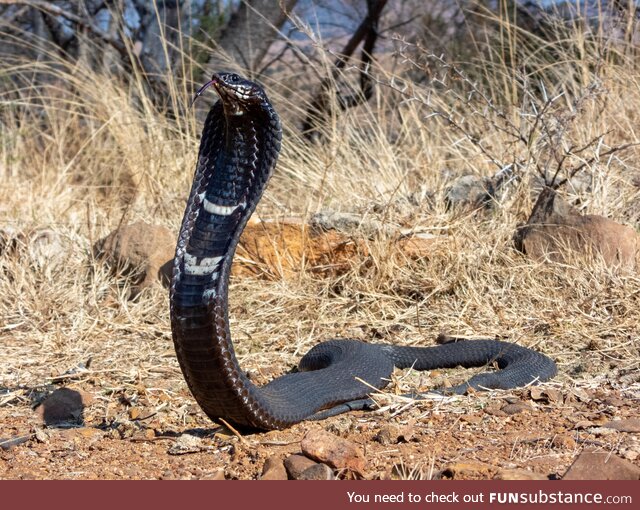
234	91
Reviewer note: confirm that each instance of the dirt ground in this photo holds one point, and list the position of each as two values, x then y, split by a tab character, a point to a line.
137	432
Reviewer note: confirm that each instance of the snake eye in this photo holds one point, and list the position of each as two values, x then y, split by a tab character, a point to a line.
234	78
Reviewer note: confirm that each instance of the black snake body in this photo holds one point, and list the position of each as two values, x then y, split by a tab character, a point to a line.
238	151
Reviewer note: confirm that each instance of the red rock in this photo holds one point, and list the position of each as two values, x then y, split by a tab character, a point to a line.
555	229
333	450
64	405
592	465
140	248
273	469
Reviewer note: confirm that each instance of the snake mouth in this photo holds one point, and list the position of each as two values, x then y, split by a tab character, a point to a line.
213	81
233	90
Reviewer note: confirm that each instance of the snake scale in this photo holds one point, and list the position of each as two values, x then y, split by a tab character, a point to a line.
238	152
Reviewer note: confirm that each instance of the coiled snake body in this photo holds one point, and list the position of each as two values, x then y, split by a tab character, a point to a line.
238	151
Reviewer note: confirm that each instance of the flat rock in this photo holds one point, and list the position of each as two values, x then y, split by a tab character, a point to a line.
518	474
592	465
628	425
296	464
350	224
142	249
555	231
273	469
186	443
64	405
82	433
469	471
333	450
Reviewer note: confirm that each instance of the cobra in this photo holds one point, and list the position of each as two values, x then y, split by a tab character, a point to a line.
240	144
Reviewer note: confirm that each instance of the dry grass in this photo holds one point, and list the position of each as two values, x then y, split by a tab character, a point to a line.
85	152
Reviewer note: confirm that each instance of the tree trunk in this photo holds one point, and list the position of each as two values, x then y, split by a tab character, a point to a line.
246	38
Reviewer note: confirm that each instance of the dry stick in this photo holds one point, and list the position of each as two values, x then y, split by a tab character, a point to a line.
233	430
611	151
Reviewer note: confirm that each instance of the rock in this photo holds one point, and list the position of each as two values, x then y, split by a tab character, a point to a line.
64	405
83	433
282	249
603	431
518	474
469	471
469	190
418	246
186	443
333	450
317	472
47	247
41	435
142	249
471	418
564	441
628	425
475	191
385	436
583	424
516	408
297	464
592	465
537	393
406	433
631	452
216	475
9	442
350	224
555	229
554	396
273	469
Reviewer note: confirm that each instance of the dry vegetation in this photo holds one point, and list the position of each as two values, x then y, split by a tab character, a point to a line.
86	152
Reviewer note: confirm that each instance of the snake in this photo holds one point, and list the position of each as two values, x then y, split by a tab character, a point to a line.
239	147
